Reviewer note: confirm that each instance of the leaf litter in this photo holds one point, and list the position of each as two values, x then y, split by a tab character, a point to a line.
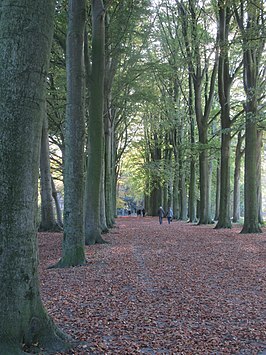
161	289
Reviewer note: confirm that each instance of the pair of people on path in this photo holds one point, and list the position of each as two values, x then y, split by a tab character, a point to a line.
161	214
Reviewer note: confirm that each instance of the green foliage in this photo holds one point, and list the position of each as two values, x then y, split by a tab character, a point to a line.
133	172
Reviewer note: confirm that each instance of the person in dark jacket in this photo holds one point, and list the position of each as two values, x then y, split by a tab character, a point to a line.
161	214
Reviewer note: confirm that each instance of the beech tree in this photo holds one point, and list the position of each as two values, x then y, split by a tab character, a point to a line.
25	43
204	72
74	238
226	76
239	152
250	19
95	128
48	222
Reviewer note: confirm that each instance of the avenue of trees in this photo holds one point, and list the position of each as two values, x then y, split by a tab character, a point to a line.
179	85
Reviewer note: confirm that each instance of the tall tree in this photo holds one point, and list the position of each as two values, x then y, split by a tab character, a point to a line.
74	239
95	127
25	43
239	152
48	222
225	80
250	19
204	77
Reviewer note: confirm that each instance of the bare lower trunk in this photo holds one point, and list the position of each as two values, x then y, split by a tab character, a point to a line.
73	241
103	219
155	201
24	56
238	157
48	222
217	198
224	215
251	223
57	204
250	25
259	193
183	198
176	201
109	177
95	130
204	187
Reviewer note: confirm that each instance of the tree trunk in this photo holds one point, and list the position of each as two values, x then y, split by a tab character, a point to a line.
192	178
48	222
103	219
236	200
183	198
224	84
182	178
109	127
108	167
24	56
251	223
224	211
218	189
74	240
259	193
204	179
176	203
210	191
251	58
57	204
95	129
155	201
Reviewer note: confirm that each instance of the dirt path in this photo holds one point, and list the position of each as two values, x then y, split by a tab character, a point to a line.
161	289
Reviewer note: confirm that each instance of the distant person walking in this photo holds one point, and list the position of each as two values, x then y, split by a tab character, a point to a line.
169	215
143	212
161	214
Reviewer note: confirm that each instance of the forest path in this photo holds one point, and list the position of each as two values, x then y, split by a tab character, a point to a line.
161	289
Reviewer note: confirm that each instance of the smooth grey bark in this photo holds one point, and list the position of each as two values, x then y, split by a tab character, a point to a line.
192	177
167	176
95	128
250	23
176	200
210	190
48	222
109	128
103	220
218	190
57	204
251	222
25	44
236	197
259	192
204	207
73	252
182	175
109	161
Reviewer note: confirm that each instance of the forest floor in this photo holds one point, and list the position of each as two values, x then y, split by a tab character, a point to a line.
161	289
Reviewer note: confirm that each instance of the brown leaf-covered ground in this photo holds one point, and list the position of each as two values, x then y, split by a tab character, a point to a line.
161	289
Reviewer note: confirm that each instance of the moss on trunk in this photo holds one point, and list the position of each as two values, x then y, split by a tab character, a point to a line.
25	43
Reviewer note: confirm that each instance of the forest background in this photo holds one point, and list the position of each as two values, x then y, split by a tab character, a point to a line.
183	94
